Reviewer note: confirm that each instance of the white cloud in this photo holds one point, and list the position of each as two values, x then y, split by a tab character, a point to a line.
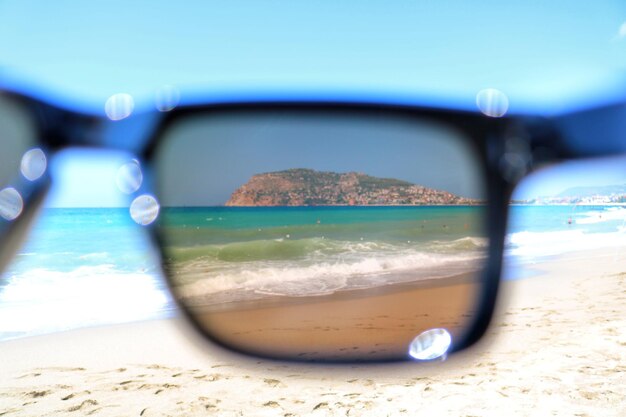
621	33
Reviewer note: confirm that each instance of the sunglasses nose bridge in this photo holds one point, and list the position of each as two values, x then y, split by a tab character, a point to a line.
60	129
522	146
132	134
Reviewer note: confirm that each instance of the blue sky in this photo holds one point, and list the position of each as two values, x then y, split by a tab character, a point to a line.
86	178
546	56
554	179
202	163
538	52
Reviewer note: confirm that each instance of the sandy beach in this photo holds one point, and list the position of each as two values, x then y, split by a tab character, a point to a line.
557	347
375	324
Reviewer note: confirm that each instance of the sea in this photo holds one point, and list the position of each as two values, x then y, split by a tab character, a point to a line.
255	252
86	267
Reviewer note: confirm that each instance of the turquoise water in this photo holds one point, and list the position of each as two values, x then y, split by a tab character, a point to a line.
65	239
536	232
84	267
81	267
230	254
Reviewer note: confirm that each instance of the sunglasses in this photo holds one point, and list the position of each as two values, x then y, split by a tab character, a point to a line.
313	230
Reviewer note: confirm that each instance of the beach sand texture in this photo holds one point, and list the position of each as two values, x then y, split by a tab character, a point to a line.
358	325
557	347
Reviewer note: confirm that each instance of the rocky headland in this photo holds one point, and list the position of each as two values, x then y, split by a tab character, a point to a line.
307	187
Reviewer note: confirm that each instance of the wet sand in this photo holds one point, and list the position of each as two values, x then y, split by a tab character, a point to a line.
558	347
357	325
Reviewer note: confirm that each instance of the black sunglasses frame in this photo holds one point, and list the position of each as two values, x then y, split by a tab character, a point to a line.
542	143
483	133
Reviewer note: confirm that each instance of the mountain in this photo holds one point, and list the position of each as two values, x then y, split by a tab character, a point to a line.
306	187
590	191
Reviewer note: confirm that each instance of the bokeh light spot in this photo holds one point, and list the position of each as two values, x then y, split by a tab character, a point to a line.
119	106
167	98
129	177
144	209
11	203
34	164
492	102
431	344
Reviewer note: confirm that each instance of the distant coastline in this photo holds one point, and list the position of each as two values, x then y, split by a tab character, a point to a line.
607	195
598	204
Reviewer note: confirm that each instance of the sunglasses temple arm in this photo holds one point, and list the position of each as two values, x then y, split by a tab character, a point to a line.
597	132
12	238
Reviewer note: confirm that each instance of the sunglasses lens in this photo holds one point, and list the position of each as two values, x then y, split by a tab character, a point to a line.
17	137
323	236
21	164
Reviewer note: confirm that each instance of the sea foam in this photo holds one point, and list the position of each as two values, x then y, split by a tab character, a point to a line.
360	265
39	300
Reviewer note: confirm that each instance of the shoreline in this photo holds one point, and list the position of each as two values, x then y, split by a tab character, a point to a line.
268	300
363	325
556	347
